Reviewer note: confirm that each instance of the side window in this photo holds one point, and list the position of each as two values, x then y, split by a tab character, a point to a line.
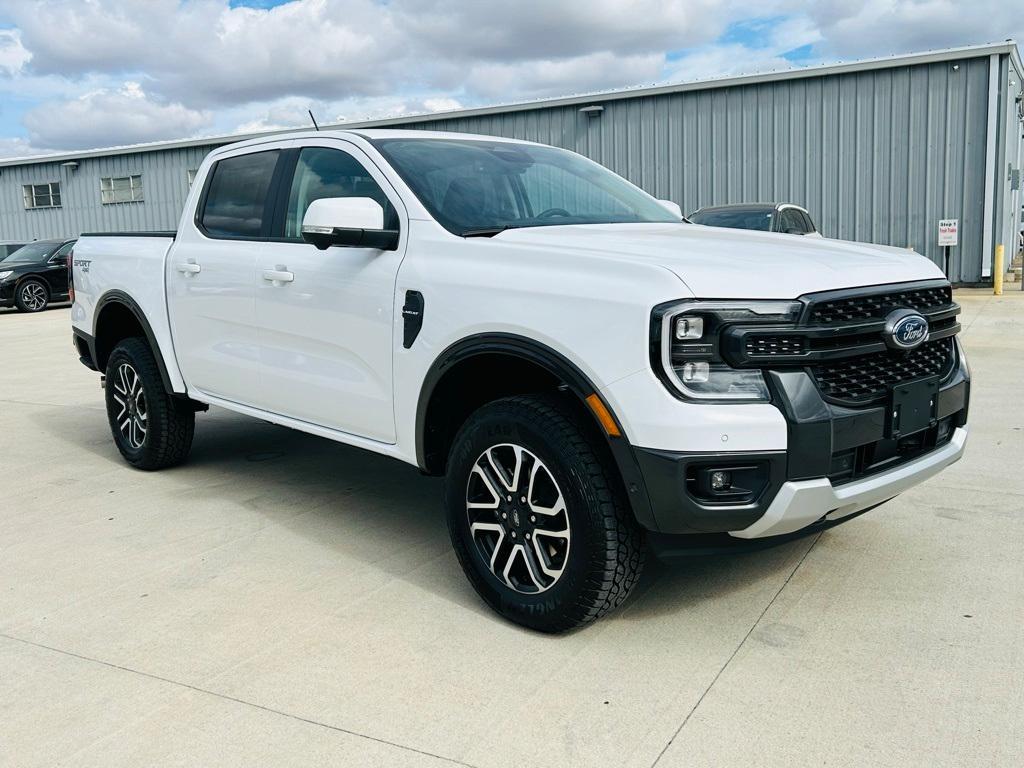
322	172
791	220
237	197
62	253
808	224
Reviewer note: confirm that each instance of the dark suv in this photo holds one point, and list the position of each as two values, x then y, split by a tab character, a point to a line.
35	275
765	217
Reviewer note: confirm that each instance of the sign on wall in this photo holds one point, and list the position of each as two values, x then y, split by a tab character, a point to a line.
949	231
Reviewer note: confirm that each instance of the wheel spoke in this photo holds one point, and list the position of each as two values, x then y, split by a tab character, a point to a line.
554	509
543	560
479	472
510	484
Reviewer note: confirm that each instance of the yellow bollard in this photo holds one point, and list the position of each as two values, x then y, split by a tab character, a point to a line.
998	268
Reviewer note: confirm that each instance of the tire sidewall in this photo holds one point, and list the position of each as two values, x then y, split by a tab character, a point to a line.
545	610
21	289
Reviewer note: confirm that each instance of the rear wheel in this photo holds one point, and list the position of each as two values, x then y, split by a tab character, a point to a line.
32	296
537	517
151	429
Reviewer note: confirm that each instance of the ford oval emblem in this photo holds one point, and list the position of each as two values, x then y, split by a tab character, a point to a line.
905	329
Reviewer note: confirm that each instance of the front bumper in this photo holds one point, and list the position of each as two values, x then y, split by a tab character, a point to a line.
7	293
801	503
838	462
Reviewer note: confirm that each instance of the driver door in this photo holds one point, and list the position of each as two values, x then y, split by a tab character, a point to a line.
326	330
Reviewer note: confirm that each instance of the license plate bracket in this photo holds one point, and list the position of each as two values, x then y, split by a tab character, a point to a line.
913	406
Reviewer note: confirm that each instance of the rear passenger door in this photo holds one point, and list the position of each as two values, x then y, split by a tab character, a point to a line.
211	277
326	331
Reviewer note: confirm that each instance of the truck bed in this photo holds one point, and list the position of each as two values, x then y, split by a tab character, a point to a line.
131	268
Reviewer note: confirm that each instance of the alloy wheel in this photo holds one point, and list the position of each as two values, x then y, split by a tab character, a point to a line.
518	518
33	296
132	420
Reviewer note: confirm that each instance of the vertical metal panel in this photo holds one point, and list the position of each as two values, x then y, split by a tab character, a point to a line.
877	156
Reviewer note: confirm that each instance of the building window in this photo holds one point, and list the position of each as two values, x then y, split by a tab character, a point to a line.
121	189
192	176
42	195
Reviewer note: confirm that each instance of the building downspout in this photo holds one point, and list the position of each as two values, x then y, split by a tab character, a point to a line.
990	164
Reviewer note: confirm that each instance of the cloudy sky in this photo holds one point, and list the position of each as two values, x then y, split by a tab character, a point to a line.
93	73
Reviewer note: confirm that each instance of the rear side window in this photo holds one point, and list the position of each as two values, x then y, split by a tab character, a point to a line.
808	224
236	200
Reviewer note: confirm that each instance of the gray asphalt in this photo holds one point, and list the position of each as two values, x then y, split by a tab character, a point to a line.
284	601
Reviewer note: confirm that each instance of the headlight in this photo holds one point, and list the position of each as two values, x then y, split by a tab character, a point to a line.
5	275
686	346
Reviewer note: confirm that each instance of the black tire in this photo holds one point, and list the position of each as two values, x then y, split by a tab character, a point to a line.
32	296
169	422
605	546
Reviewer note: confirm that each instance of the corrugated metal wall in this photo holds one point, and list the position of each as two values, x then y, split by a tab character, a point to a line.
877	156
164	184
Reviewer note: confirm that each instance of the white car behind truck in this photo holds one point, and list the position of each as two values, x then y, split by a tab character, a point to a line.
586	370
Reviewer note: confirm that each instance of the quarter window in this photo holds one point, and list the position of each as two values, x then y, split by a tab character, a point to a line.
121	189
42	195
322	172
236	199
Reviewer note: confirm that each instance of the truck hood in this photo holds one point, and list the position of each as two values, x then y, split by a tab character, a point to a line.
731	263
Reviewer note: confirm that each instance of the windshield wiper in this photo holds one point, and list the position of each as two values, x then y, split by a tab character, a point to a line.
489	231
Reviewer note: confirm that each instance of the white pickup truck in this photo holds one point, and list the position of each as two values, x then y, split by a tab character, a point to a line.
587	371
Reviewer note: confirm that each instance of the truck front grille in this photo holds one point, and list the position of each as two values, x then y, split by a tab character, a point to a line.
866	379
875	306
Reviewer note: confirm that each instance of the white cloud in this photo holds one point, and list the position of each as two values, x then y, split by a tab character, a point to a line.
879	27
126	115
13	55
205	66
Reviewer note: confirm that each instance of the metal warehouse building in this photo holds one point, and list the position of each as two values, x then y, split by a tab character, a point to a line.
877	150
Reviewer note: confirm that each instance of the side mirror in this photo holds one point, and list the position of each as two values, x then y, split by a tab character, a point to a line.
353	222
672	208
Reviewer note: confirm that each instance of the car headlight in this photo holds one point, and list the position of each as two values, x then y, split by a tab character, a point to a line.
5	275
686	346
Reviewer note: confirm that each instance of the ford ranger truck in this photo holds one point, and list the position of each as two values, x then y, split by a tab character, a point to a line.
586	370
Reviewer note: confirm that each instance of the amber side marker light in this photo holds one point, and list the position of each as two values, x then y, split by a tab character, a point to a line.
603	415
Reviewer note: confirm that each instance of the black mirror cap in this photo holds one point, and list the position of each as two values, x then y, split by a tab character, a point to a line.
384	239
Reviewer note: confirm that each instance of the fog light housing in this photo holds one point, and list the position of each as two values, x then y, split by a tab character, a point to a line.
720	481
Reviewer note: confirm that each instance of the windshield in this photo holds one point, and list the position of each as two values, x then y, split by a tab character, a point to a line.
31	253
481	187
759	219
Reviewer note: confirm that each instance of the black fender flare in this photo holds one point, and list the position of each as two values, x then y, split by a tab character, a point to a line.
565	371
120	297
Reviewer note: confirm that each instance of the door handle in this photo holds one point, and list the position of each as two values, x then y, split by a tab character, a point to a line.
190	268
277	276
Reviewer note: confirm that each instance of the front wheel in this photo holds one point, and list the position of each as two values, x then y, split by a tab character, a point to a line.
152	430
537	516
32	296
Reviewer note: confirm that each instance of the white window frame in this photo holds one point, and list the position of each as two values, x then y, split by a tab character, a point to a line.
30	197
134	189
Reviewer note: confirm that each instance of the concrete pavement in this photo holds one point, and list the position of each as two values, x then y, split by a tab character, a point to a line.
281	600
